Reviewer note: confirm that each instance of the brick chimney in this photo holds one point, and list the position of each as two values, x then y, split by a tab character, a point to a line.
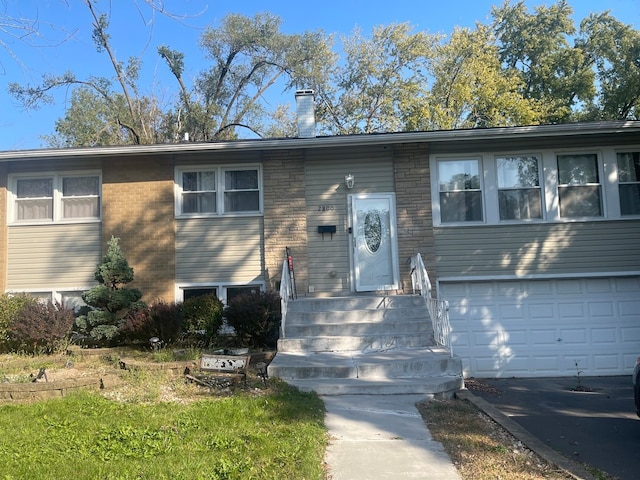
306	114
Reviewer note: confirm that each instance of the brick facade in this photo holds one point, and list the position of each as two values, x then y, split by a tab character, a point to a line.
413	207
285	216
138	207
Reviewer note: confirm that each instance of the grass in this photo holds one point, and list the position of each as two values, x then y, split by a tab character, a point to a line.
136	431
481	449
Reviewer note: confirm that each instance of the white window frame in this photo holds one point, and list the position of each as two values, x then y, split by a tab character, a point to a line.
539	187
437	212
58	198
619	183
599	184
54	294
221	288
220	190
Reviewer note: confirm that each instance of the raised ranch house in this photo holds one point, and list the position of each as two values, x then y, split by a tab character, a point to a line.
532	234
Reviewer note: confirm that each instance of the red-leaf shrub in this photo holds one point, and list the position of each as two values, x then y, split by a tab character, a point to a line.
161	319
41	327
255	317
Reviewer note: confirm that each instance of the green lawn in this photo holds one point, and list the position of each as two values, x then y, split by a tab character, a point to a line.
279	435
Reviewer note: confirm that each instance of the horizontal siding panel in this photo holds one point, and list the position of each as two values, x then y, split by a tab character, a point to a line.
219	250
520	250
47	257
326	199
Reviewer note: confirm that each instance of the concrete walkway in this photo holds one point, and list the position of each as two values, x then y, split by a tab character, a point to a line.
377	437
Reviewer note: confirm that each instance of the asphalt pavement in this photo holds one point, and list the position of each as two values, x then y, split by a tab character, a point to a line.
589	421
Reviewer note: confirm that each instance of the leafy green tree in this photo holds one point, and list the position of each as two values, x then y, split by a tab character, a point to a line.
123	111
248	55
110	300
535	47
614	49
470	89
377	79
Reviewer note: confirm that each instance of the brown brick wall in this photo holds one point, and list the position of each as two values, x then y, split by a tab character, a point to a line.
4	230
413	206
285	216
138	208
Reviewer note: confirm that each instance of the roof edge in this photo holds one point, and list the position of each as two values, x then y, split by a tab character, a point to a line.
435	136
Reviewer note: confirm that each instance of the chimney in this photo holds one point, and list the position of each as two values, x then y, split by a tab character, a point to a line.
306	114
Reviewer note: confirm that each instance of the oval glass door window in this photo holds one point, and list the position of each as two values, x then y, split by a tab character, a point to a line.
373	230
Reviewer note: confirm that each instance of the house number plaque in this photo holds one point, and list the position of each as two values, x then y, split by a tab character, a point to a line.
326	208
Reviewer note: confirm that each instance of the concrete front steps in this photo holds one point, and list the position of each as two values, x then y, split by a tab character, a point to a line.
364	345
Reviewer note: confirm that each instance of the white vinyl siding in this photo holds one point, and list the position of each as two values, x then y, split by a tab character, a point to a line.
326	198
219	250
53	256
521	250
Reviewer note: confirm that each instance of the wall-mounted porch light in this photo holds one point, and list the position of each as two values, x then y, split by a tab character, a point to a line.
349	181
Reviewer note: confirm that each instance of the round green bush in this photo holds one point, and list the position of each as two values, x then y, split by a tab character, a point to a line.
202	315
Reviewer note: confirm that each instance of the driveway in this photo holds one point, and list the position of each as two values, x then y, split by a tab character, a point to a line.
592	421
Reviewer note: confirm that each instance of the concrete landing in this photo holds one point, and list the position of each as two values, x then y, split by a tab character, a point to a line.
378	437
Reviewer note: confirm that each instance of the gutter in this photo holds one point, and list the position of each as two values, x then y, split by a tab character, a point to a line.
437	136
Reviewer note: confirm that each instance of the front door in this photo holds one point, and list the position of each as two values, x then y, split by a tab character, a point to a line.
375	252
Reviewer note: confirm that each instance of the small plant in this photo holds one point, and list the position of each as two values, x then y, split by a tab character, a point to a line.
202	316
255	317
40	327
111	300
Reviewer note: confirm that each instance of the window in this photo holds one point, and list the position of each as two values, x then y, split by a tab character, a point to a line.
80	197
629	182
198	292
579	186
233	292
217	191
199	192
241	193
56	198
519	195
460	192
34	199
224	292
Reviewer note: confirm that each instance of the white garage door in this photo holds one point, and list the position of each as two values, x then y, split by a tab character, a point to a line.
539	328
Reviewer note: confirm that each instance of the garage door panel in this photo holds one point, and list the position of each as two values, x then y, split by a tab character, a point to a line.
624	285
512	312
543	327
604	336
629	309
565	287
541	312
604	363
598	285
544	337
571	310
573	336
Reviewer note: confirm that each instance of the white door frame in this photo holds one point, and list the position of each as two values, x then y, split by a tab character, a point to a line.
392	242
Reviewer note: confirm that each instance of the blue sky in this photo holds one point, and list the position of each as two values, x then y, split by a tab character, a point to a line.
65	43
